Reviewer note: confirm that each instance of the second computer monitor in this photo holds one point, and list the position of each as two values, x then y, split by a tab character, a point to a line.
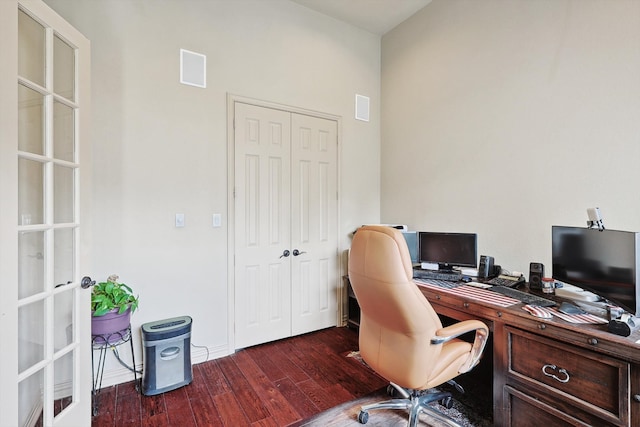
412	243
448	250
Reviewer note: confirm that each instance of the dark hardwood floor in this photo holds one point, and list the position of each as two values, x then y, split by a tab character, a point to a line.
274	384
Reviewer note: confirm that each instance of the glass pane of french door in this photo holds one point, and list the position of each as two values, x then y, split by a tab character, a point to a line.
49	346
31	51
63	66
31	114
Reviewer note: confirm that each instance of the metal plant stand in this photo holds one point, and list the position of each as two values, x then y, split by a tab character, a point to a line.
103	343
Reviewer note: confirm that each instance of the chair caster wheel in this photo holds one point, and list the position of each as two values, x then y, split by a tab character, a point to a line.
447	402
391	391
363	417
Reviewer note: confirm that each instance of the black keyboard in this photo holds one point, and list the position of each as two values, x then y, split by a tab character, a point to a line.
506	281
523	296
437	275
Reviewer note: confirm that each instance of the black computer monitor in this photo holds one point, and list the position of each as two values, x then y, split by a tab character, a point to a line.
448	250
606	263
412	243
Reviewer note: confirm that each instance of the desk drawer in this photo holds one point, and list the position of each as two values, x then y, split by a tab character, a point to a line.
593	382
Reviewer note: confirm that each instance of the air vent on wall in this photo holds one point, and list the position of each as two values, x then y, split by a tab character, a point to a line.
362	108
193	68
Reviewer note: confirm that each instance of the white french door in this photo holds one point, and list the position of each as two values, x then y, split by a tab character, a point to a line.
285	221
47	379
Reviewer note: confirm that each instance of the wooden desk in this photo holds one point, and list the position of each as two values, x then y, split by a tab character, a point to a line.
592	376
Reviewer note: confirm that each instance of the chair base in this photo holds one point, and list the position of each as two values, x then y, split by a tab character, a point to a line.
415	402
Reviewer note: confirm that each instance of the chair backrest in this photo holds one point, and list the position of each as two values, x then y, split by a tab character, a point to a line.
396	320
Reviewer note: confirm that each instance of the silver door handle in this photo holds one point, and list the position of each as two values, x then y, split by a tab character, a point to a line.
297	252
86	282
285	253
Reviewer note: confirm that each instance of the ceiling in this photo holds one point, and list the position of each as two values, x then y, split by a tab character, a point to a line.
375	16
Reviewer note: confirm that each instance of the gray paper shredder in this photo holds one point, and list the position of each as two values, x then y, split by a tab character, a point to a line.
167	355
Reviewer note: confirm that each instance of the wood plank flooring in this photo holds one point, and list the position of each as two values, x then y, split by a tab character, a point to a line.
274	384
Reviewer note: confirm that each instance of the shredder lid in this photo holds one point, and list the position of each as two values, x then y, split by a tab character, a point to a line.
161	329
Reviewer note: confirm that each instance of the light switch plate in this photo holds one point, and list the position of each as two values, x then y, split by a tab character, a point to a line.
217	220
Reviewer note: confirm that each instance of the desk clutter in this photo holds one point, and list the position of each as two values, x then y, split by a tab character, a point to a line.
549	312
498	295
473	292
487	296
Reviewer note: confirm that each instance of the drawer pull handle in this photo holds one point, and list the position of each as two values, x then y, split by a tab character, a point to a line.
553	375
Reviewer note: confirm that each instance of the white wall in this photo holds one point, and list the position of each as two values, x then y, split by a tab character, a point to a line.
505	117
160	148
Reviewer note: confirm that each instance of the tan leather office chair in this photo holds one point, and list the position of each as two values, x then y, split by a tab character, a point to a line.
401	336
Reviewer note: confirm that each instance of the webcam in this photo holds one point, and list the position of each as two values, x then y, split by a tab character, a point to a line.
595	219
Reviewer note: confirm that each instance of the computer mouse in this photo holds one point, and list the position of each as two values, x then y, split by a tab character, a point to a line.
466	279
568	308
538	311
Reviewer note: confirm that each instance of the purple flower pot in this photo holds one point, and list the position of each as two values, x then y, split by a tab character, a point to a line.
110	328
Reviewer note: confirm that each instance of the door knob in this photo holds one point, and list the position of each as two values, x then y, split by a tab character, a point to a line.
297	252
285	253
62	284
87	282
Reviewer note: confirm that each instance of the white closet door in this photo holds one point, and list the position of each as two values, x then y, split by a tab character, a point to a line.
314	199
263	224
285	221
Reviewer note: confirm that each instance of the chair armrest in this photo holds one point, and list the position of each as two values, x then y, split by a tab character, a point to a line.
450	332
454	331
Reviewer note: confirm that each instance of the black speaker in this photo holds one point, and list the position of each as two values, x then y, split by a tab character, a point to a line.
485	268
536	273
624	326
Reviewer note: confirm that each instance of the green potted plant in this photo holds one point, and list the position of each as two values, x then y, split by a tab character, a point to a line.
112	304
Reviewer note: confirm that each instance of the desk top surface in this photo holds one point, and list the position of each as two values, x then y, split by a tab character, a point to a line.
467	302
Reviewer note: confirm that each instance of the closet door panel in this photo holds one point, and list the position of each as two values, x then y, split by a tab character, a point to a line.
262	218
313	223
